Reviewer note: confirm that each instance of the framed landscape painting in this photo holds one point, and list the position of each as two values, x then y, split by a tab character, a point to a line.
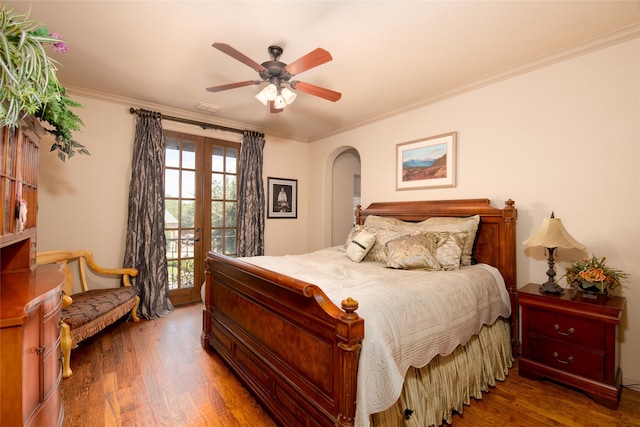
282	198
426	163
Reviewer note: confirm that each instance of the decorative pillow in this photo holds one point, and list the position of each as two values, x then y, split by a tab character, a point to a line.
353	233
378	252
449	247
468	225
383	222
413	253
360	246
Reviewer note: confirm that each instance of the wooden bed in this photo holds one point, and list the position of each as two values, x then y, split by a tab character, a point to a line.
295	349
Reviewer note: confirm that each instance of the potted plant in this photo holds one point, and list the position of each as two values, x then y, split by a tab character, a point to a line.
594	275
28	82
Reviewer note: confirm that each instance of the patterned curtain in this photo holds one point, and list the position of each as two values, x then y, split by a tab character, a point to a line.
146	242
251	200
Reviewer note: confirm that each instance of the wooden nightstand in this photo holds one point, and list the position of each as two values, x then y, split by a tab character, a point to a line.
572	340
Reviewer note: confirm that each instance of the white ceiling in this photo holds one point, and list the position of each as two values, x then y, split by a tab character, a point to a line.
388	56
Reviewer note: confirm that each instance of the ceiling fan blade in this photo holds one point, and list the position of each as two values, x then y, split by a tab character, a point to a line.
308	61
232	52
273	109
316	91
233	85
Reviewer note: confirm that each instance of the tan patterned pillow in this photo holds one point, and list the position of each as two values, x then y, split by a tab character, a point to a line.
413	252
360	246
378	252
383	222
468	225
449	248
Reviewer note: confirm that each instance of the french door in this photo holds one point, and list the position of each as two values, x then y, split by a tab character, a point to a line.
200	208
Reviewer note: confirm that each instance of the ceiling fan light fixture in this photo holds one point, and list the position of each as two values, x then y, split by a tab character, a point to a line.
279	102
269	93
262	98
288	95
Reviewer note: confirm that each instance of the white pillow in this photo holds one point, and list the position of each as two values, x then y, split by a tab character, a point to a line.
360	245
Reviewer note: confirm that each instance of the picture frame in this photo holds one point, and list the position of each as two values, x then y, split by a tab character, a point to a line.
282	198
426	163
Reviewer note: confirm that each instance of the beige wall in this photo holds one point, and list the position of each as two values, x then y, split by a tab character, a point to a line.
564	138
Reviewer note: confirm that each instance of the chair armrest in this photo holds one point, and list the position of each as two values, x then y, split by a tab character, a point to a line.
66	301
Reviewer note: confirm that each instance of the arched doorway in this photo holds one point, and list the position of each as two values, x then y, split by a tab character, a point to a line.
345	193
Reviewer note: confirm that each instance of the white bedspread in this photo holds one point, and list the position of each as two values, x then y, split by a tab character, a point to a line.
410	316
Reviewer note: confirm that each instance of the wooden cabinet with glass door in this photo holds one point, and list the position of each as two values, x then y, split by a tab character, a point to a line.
30	368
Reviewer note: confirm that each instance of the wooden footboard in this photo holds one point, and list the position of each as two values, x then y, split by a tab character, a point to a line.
296	350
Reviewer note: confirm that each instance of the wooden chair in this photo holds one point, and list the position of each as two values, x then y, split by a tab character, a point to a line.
86	313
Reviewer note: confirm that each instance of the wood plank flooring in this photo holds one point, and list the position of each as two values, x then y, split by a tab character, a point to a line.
155	373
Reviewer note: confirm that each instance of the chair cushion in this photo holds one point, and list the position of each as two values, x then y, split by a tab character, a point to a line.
88	306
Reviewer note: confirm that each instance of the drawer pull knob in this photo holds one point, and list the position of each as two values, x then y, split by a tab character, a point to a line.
569	331
37	350
566	362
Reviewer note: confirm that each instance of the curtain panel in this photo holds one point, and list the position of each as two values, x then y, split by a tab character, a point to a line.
146	241
251	199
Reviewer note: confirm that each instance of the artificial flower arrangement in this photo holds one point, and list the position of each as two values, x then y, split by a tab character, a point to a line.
594	275
28	82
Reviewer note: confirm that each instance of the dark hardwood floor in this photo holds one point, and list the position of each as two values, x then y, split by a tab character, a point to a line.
155	373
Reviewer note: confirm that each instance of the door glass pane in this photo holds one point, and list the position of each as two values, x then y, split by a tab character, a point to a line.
187	214
172	154
217	180
231	160
186	273
188	184
216	240
188	155
230	187
172	269
217	159
230	242
217	214
171	183
230	214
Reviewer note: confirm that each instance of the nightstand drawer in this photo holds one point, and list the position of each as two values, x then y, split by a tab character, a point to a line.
566	357
569	329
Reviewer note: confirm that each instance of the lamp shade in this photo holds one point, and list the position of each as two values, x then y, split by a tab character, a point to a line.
269	93
552	234
288	95
279	102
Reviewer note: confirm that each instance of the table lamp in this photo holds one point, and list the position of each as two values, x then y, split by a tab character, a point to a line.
552	235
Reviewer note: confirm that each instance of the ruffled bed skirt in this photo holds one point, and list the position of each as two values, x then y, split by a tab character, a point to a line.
431	394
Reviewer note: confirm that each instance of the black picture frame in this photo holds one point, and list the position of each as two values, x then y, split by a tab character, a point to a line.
282	198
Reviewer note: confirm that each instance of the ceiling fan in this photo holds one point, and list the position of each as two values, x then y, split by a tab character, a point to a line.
278	74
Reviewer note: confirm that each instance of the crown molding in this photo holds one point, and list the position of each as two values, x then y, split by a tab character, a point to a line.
616	37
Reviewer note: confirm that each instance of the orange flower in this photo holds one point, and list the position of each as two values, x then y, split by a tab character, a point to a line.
593	275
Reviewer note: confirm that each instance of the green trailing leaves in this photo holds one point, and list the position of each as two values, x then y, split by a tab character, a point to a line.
28	82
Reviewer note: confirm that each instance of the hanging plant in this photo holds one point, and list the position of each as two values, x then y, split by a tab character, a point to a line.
28	82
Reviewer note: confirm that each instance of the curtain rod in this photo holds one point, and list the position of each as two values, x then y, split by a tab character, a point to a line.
203	125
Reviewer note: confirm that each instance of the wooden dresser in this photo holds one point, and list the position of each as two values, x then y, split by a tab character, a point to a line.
30	347
30	296
573	340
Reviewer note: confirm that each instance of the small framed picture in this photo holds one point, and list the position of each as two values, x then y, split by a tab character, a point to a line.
282	198
426	163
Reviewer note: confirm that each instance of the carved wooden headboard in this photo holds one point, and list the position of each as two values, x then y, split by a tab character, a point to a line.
496	240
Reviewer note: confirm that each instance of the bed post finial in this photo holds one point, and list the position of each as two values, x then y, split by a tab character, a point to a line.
350	305
509	213
357	214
